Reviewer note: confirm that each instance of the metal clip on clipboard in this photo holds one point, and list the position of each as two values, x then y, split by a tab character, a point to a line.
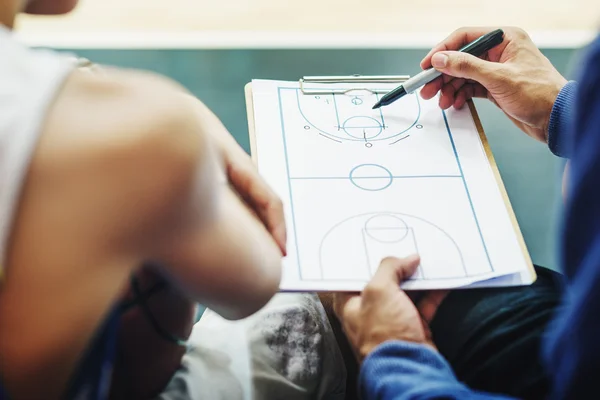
351	79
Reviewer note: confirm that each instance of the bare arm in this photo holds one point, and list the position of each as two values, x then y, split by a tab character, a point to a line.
194	224
124	172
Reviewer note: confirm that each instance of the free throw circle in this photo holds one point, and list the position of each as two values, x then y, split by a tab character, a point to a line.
365	128
386	228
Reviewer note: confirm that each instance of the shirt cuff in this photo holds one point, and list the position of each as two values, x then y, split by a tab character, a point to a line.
405	367
560	119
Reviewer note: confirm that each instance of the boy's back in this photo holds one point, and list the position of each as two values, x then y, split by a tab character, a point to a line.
30	80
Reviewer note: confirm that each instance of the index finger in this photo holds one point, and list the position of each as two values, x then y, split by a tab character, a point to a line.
455	41
429	304
245	178
265	202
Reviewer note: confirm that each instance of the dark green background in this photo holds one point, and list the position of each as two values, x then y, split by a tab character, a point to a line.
530	172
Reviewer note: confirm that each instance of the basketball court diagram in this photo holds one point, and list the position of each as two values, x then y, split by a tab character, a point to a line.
375	236
349	118
337	147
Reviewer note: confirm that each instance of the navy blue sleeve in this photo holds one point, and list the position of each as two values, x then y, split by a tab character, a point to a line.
400	370
3	395
560	120
404	371
572	350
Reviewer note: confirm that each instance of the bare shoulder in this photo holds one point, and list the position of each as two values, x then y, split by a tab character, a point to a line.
119	156
120	110
127	142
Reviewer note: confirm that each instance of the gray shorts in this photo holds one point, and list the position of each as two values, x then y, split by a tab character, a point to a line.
287	350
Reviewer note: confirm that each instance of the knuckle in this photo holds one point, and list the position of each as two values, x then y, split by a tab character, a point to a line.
453	37
522	33
518	33
344	305
374	289
461	31
350	308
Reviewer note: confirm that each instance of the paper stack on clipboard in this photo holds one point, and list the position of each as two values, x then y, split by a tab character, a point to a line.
360	184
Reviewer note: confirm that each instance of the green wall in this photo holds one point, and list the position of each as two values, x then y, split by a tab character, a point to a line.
530	172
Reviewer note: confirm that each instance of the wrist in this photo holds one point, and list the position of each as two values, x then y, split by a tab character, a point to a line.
367	349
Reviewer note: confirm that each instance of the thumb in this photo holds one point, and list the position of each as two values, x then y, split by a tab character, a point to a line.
467	66
395	270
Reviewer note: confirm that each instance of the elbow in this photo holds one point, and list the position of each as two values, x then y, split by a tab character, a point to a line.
268	287
266	284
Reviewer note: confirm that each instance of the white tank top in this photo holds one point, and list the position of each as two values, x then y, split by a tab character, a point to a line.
29	82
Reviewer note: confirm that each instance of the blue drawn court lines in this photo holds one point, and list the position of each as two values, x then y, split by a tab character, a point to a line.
378	177
370	127
406	231
373	183
467	190
371	177
287	169
375	177
379	234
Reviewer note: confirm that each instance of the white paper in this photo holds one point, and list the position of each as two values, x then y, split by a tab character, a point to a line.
360	184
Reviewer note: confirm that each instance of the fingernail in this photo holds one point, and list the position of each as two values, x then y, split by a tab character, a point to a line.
439	60
281	238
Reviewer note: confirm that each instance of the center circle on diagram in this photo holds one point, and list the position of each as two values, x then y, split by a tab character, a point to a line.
371	177
360	127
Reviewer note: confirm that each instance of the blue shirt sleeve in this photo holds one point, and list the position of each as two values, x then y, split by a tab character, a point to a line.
572	350
401	370
561	119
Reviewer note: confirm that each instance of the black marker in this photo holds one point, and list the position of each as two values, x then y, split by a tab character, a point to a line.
475	48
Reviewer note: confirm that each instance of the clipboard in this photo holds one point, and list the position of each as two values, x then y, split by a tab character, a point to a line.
398	79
